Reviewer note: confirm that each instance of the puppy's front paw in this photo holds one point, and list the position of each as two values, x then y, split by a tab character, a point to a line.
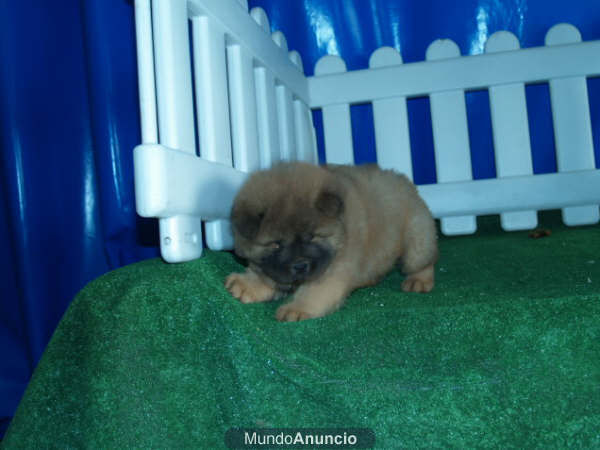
291	313
248	288
417	285
421	281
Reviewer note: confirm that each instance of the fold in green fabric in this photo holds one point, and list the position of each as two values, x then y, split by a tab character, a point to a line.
505	352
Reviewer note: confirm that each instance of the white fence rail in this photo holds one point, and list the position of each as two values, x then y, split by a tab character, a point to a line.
252	108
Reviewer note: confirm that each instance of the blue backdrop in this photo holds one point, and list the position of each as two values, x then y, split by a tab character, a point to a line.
69	120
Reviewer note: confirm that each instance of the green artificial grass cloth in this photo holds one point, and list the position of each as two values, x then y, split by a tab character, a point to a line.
504	353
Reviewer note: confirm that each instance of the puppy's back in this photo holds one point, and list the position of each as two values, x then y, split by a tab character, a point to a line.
384	189
386	213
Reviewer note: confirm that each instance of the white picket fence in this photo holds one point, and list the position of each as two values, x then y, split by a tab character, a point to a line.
252	108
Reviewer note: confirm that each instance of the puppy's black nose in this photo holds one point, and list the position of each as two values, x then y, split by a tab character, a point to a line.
300	267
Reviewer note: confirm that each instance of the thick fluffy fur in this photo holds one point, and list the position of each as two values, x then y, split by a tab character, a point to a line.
323	231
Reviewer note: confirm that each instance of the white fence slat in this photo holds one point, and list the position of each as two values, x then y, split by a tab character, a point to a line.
279	39
242	99
268	139
510	126
302	122
285	122
173	75
337	127
572	126
313	133
212	110
390	118
266	104
285	109
296	59
260	17
180	236
305	142
212	98
145	65
451	138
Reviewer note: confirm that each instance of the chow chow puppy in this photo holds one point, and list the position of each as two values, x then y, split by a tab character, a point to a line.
320	232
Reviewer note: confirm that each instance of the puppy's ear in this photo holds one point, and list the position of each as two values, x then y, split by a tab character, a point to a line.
330	203
246	223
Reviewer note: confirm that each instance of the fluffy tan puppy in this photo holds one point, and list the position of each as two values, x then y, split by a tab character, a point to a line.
320	232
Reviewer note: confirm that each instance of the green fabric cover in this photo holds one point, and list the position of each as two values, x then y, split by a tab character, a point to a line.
505	352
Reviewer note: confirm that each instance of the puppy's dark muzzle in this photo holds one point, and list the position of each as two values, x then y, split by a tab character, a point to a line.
300	267
296	265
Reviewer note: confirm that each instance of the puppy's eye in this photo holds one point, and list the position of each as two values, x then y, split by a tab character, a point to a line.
275	245
320	234
310	237
306	236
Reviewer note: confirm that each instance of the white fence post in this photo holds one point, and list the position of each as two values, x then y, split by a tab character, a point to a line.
512	148
180	236
337	127
390	118
285	110
451	137
572	127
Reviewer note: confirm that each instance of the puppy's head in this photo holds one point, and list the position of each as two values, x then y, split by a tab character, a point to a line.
288	221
